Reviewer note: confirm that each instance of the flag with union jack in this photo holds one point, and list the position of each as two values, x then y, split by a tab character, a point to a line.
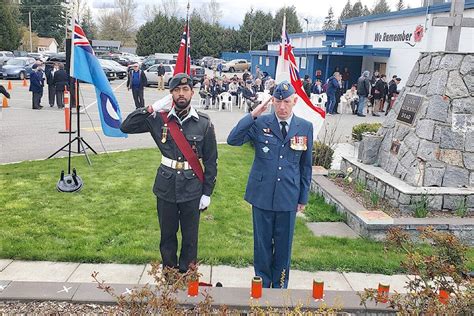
86	67
287	69
183	62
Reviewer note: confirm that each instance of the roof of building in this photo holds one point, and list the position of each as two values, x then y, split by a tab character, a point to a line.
46	41
106	43
349	50
438	8
333	33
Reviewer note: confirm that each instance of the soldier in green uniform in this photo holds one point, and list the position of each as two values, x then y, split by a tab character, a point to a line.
183	188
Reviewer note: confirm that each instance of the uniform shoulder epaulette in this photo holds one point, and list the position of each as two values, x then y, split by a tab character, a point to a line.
204	115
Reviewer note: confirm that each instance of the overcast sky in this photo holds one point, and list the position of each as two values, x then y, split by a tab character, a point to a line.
233	11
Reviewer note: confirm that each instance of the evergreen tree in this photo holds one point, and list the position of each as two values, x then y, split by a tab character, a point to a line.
88	25
329	22
48	17
346	13
256	30
10	35
381	7
400	5
292	22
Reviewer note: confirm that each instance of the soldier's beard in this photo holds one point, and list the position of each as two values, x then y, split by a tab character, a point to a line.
181	103
182	107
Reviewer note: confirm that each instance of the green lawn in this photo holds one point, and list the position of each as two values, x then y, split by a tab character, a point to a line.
113	218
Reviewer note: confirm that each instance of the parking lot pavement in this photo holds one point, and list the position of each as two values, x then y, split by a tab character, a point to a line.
27	134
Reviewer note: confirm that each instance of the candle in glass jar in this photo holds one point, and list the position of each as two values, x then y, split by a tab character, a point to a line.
256	291
318	289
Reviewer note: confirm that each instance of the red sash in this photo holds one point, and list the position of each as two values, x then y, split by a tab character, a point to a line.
184	146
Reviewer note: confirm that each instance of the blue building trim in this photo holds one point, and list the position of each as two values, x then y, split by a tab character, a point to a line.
344	51
438	8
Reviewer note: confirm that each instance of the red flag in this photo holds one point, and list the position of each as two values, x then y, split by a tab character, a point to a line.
184	57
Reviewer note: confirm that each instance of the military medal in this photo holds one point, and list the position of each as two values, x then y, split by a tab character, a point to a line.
164	133
265	149
299	143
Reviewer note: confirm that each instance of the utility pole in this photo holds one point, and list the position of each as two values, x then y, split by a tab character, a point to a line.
306	46
31	40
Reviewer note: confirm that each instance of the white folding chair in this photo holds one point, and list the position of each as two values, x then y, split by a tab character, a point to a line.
225	99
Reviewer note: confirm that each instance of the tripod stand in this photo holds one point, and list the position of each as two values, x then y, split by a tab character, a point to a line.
82	145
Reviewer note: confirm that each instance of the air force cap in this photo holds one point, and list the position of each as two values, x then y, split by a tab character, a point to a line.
283	90
180	79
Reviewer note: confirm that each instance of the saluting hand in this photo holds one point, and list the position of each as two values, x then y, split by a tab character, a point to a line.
261	108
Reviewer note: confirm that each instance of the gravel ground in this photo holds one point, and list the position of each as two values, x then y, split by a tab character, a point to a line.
55	308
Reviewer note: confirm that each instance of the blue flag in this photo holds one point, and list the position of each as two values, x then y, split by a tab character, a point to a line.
87	68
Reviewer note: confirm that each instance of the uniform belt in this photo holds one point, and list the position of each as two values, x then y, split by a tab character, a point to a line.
174	164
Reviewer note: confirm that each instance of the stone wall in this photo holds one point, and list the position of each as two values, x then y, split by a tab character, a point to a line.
404	200
438	149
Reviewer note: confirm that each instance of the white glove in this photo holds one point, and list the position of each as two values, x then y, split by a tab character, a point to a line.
163	104
204	203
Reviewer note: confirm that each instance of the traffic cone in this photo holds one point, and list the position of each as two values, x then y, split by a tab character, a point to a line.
4	102
25	84
67	113
10	88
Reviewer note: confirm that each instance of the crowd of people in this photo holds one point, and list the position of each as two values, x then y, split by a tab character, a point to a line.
369	95
56	79
245	88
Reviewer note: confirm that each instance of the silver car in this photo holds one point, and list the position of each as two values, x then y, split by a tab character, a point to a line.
152	74
5	56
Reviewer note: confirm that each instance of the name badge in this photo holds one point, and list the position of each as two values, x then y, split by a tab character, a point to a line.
299	143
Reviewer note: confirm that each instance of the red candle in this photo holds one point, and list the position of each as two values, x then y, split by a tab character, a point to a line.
256	287
383	292
193	288
318	289
443	296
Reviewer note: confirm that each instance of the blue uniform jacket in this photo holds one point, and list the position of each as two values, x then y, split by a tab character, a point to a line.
280	177
36	82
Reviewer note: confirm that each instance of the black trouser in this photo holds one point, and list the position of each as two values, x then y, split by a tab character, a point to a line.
171	216
51	94
60	98
37	99
138	97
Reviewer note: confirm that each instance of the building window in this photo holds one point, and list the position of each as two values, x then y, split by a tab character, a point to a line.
267	61
303	63
297	60
260	60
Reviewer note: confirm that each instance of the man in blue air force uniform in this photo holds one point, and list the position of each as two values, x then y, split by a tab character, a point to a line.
279	180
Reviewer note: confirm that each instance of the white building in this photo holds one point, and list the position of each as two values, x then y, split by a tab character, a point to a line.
389	43
47	45
406	33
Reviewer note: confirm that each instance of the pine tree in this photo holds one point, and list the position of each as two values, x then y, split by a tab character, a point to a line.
10	34
346	13
329	22
381	7
48	17
400	5
292	22
88	25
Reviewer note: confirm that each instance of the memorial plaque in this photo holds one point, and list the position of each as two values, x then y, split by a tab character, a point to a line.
409	108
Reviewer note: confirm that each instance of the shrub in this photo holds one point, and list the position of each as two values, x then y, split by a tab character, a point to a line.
322	155
420	207
359	129
437	262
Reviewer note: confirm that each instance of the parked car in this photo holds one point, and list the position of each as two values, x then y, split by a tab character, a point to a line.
217	61
19	67
152	74
196	72
121	60
120	71
5	56
236	65
109	73
37	56
204	60
208	62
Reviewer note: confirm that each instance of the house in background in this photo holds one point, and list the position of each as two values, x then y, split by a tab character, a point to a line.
47	44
